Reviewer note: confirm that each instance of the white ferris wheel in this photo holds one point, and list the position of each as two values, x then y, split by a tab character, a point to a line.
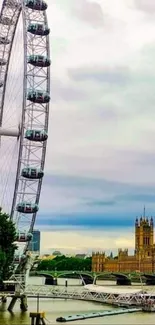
24	110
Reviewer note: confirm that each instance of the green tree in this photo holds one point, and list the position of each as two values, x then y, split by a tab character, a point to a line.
7	247
63	263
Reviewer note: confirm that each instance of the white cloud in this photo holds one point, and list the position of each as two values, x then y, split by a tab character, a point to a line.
76	241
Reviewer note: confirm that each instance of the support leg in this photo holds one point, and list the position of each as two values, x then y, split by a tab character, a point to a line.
23	304
4	299
12	303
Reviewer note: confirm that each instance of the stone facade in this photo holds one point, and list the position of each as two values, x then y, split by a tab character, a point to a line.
143	259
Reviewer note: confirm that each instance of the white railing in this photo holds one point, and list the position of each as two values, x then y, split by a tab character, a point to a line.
68	293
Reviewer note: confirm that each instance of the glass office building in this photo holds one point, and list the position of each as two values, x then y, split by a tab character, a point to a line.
34	245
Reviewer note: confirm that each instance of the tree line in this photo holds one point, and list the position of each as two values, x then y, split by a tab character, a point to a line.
64	263
7	245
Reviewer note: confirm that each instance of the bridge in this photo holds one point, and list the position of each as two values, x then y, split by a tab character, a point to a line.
89	277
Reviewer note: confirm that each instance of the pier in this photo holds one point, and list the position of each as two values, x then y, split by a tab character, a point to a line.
119	298
122	297
97	314
133	298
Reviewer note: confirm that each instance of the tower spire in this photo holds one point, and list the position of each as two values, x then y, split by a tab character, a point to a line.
144	212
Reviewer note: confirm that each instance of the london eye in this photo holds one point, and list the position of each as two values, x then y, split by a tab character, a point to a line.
24	110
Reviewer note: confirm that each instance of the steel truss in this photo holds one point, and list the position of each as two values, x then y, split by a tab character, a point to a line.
9	17
56	292
34	115
66	293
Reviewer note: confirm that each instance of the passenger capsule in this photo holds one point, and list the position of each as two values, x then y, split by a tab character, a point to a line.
32	173
36	135
1	84
4	40
36	4
2	62
6	21
38	29
26	207
39	61
38	96
23	237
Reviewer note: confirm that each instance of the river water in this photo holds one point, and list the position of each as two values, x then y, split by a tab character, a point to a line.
54	308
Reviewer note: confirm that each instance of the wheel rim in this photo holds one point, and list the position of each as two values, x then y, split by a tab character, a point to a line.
34	114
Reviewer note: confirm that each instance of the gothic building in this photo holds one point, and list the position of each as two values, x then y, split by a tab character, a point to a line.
143	259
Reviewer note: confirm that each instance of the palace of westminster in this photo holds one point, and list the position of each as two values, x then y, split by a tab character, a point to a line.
143	259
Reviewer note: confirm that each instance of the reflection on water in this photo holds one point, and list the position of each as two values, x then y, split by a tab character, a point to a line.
54	308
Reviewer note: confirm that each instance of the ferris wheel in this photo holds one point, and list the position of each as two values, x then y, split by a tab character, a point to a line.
24	110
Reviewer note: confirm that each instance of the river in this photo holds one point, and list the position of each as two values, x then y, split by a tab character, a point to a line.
54	308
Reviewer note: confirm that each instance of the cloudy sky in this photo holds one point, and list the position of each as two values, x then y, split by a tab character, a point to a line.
100	163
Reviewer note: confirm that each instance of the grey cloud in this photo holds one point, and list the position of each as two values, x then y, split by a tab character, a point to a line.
64	92
108	112
79	182
101	203
118	75
144	198
138	157
83	201
90	12
146	5
147	158
60	180
127	197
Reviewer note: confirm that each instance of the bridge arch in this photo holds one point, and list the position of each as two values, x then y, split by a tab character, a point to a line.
86	278
46	275
101	275
149	279
122	279
49	278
